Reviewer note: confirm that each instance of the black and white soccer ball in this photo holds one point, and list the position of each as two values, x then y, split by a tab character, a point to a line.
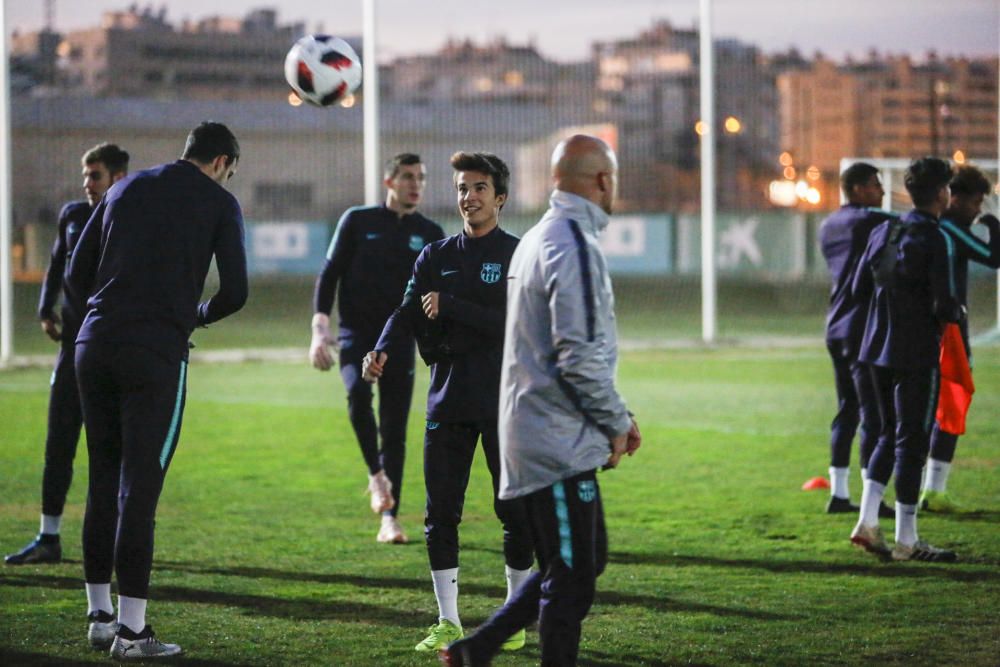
322	69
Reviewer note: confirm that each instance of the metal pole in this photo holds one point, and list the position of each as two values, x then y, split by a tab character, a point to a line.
6	273
707	89
373	167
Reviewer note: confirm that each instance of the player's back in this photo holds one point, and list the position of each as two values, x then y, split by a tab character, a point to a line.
160	228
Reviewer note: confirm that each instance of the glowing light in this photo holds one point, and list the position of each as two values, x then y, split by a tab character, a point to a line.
812	173
812	196
782	193
789	173
348	101
733	125
959	156
699	128
801	189
294	99
785	159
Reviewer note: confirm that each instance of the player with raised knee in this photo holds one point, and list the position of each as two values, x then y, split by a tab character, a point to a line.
456	304
103	165
367	266
907	266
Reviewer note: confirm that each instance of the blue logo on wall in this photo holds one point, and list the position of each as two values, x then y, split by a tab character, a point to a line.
416	243
587	490
490	273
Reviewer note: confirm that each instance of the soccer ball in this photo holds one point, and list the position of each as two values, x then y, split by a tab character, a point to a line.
322	70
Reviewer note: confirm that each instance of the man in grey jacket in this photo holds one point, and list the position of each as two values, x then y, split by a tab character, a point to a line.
561	417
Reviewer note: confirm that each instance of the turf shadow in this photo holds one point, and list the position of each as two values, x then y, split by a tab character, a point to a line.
871	568
323	577
12	658
297	609
665	604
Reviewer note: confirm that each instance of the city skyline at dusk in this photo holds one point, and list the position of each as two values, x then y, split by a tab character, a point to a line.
850	27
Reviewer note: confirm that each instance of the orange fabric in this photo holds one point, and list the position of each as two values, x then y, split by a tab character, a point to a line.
956	383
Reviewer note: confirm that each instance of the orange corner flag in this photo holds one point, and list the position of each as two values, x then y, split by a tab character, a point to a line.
956	383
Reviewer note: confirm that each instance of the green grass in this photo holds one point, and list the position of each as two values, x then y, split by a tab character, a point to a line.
266	552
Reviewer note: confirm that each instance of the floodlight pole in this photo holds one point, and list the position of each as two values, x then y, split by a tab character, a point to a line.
707	89
371	104
6	206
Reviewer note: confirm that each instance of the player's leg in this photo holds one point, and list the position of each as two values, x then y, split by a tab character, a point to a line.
916	400
871	423
935	497
867	534
513	515
153	395
100	402
359	410
842	429
448	452
395	395
570	577
64	423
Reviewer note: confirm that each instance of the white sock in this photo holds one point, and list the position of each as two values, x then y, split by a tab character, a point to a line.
906	524
132	613
937	475
514	580
99	598
838	482
871	497
864	474
50	524
446	592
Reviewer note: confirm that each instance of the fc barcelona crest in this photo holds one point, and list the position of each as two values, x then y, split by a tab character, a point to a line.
416	243
491	273
587	490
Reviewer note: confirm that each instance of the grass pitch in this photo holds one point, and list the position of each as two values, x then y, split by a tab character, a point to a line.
266	553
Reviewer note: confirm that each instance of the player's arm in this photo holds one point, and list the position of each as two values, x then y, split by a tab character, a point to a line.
970	246
482	318
323	344
231	261
52	284
401	325
584	369
82	270
941	275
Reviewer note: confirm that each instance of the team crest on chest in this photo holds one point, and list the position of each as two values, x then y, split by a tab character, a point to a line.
417	243
490	273
587	490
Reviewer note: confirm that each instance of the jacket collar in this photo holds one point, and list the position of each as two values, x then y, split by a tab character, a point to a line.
584	211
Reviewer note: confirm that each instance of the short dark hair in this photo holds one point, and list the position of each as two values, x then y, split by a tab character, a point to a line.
969	180
399	160
110	155
486	163
210	140
924	178
858	173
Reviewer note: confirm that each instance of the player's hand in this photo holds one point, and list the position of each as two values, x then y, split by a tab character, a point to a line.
430	302
320	348
51	328
624	443
373	366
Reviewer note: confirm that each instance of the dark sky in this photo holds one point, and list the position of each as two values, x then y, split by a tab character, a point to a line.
564	29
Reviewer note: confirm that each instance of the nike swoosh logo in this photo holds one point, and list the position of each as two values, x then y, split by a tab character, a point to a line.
448	273
369	237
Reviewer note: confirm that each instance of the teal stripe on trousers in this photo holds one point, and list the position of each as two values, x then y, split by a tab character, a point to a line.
562	515
168	444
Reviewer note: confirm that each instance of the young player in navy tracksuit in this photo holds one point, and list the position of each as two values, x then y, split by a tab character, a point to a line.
843	237
143	259
103	165
969	186
455	304
367	267
908	268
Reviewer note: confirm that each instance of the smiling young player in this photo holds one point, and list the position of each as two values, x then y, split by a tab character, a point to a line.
456	304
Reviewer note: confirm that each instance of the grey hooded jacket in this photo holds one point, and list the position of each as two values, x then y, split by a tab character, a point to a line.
558	403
